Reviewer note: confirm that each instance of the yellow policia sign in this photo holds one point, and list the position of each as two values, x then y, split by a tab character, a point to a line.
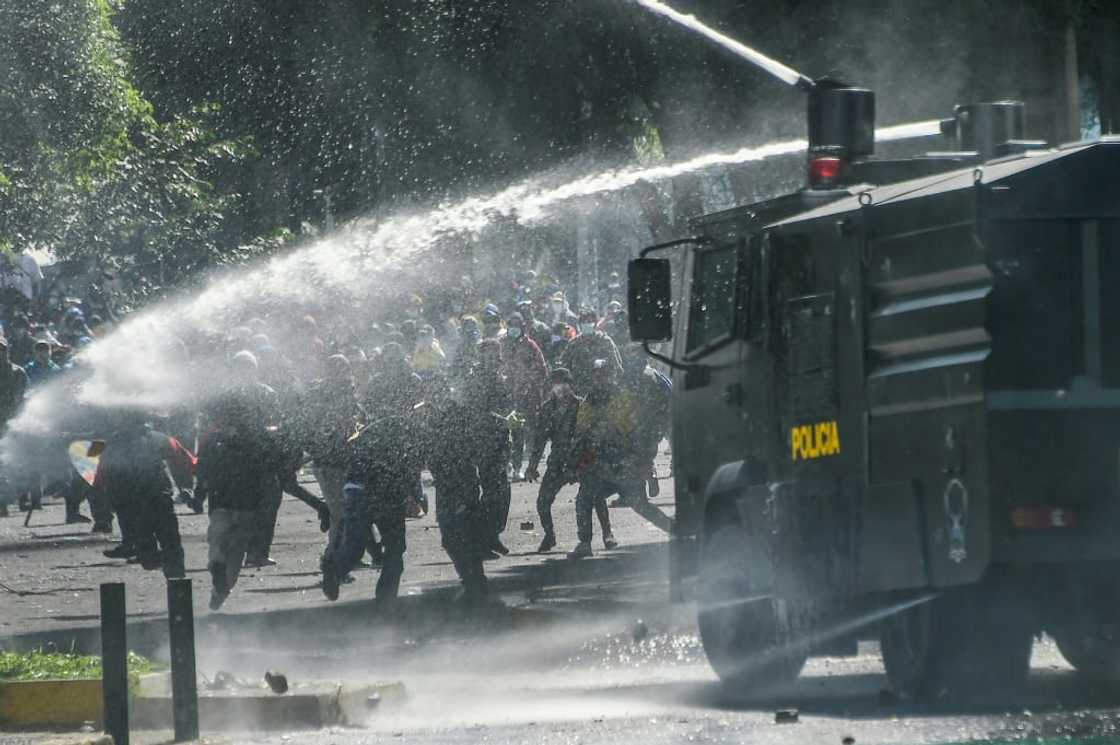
815	440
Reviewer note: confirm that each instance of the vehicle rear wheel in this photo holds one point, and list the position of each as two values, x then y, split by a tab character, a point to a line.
906	641
964	645
739	618
1095	658
1090	639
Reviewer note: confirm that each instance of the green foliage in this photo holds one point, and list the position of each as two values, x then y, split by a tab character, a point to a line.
89	170
161	139
66	109
40	665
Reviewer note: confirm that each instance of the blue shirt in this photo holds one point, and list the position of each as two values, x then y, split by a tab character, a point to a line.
37	373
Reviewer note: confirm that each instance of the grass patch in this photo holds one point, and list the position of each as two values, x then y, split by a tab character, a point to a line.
40	665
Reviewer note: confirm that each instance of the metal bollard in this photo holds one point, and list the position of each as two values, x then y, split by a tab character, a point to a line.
184	685
114	662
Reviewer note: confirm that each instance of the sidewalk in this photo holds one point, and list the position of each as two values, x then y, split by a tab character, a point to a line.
52	572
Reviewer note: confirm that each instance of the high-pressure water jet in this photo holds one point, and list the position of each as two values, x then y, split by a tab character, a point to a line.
782	72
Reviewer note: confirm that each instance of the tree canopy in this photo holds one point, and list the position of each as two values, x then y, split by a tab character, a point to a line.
158	139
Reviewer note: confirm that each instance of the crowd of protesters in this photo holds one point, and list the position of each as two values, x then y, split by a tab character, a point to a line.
37	344
473	391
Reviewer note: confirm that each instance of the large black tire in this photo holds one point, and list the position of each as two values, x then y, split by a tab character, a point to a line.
1096	660
1086	627
738	616
966	646
906	641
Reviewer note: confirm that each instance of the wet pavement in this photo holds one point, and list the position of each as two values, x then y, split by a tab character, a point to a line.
50	571
579	652
596	681
551	686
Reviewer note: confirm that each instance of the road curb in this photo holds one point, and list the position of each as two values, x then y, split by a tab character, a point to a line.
261	710
50	703
39	704
91	740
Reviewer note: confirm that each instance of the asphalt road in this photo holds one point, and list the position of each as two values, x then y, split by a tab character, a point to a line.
579	651
591	681
51	571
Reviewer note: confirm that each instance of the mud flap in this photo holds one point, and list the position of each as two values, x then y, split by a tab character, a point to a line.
895	558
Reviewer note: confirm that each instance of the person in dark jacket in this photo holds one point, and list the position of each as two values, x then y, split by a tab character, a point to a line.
13	388
557	425
450	457
535	329
602	452
394	391
260	409
492	416
527	375
383	461
562	333
653	390
331	415
133	472
41	368
21	340
608	456
589	345
466	355
231	478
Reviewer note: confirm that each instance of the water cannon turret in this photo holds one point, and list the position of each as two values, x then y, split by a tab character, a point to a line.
841	129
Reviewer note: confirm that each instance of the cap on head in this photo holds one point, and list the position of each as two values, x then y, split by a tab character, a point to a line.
560	375
245	360
392	352
491	312
588	315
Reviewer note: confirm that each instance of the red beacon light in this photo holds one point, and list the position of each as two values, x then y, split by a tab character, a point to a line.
824	171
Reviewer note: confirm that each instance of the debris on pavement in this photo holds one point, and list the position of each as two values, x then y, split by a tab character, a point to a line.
278	682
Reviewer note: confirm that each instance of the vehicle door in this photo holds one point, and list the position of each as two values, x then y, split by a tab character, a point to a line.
708	414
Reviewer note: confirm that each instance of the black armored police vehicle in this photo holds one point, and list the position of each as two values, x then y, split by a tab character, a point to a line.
897	405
